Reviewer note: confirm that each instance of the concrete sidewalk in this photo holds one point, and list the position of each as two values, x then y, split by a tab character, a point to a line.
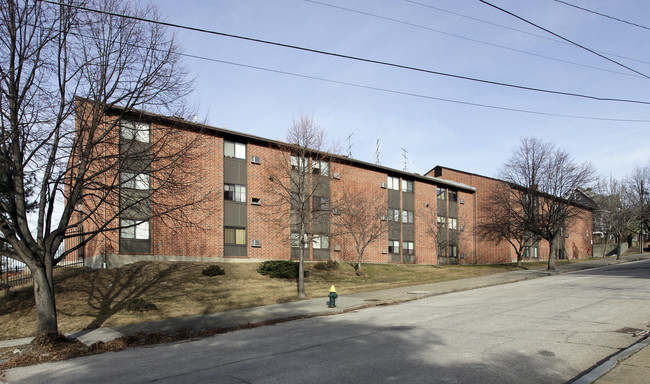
637	357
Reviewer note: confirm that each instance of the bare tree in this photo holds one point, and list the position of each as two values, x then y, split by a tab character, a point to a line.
59	62
361	218
505	220
546	177
616	210
638	185
298	190
434	227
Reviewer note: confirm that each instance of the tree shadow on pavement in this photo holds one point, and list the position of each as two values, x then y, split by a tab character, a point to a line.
318	350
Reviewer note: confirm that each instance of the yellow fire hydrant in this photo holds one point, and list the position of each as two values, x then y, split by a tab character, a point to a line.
332	296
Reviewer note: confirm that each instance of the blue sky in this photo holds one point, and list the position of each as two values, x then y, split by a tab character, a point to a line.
461	37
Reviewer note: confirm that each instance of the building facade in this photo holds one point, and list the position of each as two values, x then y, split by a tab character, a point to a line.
430	219
576	240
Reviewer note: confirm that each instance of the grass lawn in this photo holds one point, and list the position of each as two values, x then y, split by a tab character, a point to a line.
88	298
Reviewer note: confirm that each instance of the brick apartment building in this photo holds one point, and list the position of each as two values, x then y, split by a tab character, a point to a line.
575	243
236	226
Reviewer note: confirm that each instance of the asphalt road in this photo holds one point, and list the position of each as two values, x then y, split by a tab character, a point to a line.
546	330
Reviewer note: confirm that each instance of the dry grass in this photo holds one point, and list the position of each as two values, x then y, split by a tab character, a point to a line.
89	298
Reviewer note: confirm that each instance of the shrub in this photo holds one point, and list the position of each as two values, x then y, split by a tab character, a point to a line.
328	265
213	270
140	305
284	269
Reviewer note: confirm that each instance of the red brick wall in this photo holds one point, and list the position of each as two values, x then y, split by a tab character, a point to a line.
204	237
369	181
267	222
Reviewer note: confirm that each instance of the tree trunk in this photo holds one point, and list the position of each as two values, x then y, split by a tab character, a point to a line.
359	271
619	248
551	255
46	321
301	266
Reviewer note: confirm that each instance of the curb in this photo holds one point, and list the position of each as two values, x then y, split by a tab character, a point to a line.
604	366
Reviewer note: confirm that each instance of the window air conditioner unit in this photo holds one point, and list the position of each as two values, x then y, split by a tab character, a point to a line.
256	160
462	201
383	218
256	201
336	175
337	248
335	211
256	243
384	185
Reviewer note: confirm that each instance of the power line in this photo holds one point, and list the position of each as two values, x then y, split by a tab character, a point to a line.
343	56
403	93
467	38
386	90
564	38
518	30
603	15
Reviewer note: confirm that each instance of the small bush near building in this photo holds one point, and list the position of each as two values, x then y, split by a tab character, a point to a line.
329	265
140	305
213	270
283	269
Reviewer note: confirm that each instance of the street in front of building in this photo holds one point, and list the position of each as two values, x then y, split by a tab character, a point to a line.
545	330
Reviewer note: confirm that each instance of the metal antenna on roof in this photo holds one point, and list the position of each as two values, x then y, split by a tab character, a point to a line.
377	150
350	144
405	154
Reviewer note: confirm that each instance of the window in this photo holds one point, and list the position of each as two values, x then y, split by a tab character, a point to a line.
234	236
320	242
393	246
393	214
320	168
441	220
407	186
295	240
234	150
134	180
453	223
407	217
130	130
393	183
234	192
453	251
321	203
298	163
407	247
134	229
453	196
441	193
